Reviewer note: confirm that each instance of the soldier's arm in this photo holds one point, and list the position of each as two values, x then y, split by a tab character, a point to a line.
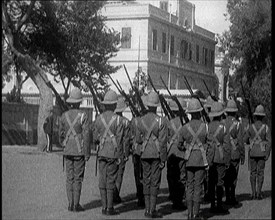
268	145
126	139
119	137
241	142
163	141
210	148
227	148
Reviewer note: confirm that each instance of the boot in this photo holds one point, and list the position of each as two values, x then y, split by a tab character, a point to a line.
70	195
260	185
227	195
103	195
153	203
190	209
110	208
220	208
147	206
116	196
77	193
196	211
233	196
253	187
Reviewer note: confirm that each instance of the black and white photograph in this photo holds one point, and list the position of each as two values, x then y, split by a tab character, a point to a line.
136	109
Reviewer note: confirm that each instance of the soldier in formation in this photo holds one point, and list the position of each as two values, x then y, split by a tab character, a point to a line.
176	173
74	137
259	139
152	137
108	136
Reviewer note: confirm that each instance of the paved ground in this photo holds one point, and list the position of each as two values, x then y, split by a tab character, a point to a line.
33	187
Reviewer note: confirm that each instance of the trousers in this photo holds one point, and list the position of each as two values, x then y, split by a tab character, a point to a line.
108	170
195	177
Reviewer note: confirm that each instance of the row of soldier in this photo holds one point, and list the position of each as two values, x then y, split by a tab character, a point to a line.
195	152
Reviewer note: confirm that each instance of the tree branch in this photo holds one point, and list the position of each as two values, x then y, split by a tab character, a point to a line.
26	16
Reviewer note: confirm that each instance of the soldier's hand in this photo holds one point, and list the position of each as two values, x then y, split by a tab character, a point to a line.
118	161
87	158
162	165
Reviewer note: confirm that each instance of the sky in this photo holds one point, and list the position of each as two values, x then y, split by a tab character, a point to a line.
209	14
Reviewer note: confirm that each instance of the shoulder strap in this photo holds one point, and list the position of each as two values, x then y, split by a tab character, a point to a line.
257	133
176	132
108	131
195	135
72	130
149	131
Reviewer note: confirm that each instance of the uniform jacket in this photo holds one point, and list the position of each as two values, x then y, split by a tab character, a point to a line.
219	144
173	138
235	133
81	127
196	157
112	145
262	146
156	145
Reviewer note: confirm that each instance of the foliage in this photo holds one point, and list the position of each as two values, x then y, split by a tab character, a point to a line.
14	96
247	48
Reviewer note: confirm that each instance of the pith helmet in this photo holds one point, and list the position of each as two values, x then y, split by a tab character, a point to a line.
193	106
75	96
209	102
173	105
259	111
110	98
216	109
182	102
231	106
152	99
121	105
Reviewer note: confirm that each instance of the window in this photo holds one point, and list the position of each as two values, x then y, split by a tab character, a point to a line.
190	51
197	53
163	42
126	37
205	54
163	5
172	45
155	39
184	49
212	61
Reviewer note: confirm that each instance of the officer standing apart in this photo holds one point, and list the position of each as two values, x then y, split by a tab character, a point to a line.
176	173
121	106
108	136
219	142
152	135
193	141
74	137
235	132
259	139
135	150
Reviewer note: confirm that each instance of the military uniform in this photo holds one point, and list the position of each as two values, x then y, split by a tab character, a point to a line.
218	141
152	137
235	132
108	135
74	136
176	173
121	106
259	138
193	141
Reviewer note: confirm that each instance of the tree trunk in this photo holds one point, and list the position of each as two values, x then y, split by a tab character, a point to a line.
35	72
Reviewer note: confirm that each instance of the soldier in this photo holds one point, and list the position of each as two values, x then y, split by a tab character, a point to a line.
121	106
208	104
135	150
176	173
259	138
108	135
219	142
193	141
74	137
235	132
152	136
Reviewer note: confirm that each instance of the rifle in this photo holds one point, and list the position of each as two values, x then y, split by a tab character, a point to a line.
164	105
135	89
212	96
134	111
173	97
204	114
248	105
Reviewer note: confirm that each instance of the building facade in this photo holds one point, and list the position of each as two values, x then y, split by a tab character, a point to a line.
162	39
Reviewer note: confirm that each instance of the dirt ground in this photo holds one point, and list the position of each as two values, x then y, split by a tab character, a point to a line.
33	187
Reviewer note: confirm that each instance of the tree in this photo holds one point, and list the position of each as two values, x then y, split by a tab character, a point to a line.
247	46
